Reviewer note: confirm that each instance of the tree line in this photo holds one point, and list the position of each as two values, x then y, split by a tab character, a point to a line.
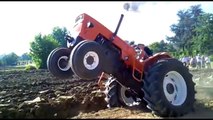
40	48
193	34
12	58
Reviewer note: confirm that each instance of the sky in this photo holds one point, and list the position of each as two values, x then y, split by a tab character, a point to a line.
21	21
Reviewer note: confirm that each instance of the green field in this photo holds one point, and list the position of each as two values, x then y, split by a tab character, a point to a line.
211	64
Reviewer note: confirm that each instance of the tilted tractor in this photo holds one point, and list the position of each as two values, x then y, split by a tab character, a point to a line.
127	74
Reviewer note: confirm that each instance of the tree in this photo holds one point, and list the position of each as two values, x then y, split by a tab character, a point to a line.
203	41
1	62
184	30
10	59
162	46
40	49
25	56
59	34
155	47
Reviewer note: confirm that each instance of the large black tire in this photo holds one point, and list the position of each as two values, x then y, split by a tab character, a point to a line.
169	89
117	95
87	60
72	52
57	63
50	56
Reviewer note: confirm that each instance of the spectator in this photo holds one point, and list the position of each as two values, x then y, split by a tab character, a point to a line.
202	61
193	62
146	49
185	61
207	62
198	58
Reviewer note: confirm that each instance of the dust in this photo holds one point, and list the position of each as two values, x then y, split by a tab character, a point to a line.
204	83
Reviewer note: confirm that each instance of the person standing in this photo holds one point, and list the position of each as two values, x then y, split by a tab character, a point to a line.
198	58
208	62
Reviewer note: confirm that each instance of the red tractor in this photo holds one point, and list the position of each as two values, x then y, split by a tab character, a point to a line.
131	76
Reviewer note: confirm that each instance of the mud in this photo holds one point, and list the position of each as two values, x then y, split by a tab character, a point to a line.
38	94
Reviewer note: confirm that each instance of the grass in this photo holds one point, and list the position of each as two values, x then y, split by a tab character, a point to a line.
211	64
12	68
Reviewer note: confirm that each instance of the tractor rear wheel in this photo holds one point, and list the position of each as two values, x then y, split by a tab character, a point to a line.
169	89
118	95
58	63
87	60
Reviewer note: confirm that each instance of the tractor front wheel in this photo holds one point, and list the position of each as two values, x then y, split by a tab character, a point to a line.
58	63
87	60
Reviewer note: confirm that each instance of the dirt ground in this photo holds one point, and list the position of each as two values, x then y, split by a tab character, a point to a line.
38	94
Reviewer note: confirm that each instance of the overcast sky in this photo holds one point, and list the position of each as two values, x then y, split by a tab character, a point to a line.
21	21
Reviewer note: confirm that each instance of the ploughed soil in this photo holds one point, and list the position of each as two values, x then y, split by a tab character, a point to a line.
38	94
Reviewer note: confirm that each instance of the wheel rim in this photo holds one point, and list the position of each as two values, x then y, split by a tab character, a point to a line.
63	63
91	60
174	87
126	97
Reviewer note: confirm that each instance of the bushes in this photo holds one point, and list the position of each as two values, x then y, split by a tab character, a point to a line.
30	67
211	57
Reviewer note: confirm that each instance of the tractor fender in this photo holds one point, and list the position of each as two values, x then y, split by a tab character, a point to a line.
155	58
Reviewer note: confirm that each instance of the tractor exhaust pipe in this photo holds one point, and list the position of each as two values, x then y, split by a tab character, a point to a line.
117	28
126	6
